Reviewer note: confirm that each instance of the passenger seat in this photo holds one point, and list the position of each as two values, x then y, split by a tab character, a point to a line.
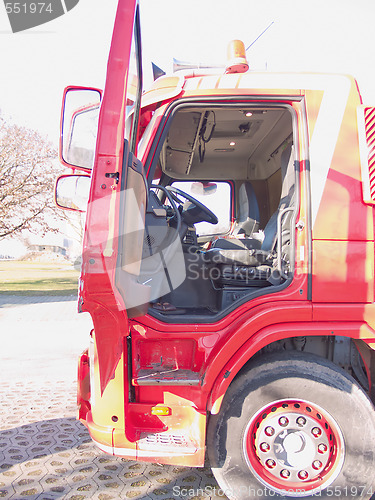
247	222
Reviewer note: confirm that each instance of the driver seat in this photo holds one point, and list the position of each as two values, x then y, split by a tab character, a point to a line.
251	252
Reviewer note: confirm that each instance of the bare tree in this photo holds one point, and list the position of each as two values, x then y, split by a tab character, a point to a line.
28	169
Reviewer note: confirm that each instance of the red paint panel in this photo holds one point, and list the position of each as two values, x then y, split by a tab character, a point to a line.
173	354
342	215
83	386
339	312
343	271
313	103
248	328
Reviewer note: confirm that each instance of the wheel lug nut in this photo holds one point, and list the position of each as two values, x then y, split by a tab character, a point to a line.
322	448
316	432
303	475
264	447
270	431
271	464
283	421
285	474
317	464
301	421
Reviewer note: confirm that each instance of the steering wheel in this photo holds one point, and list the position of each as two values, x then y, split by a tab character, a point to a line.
206	212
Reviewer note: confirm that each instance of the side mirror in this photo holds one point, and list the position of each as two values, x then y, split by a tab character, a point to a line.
72	192
79	126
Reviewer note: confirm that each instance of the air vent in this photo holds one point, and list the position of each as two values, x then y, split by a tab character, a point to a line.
366	133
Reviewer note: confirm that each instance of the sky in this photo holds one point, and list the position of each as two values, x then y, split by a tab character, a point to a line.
319	35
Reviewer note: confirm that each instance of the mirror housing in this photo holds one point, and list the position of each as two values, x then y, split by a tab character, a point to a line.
72	192
79	126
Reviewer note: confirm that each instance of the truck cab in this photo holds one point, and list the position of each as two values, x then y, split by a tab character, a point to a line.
228	267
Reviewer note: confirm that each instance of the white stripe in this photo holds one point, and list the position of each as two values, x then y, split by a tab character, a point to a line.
167	453
325	135
64	6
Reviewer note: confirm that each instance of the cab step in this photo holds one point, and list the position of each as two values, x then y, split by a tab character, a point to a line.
164	376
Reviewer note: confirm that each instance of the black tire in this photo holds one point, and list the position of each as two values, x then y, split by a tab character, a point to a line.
286	378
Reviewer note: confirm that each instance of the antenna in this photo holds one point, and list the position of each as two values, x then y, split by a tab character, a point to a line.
257	38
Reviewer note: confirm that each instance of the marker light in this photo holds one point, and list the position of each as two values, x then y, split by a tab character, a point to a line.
160	411
237	62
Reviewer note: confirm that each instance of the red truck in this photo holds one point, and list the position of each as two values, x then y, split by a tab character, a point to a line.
228	267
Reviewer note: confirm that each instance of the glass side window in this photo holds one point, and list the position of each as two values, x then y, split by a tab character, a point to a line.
214	195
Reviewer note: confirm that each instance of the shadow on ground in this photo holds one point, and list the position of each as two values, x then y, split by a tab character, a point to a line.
48	458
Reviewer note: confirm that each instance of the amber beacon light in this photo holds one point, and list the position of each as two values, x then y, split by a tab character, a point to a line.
237	62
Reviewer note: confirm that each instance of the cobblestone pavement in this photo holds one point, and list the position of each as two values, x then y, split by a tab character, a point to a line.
45	453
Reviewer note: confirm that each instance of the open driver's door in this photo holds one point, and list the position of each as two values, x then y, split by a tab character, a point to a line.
109	289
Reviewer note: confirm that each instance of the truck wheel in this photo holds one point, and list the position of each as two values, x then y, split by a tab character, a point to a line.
294	425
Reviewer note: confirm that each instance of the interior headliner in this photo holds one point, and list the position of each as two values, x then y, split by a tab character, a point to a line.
208	142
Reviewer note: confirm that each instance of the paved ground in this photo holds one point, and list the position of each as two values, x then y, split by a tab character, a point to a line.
44	452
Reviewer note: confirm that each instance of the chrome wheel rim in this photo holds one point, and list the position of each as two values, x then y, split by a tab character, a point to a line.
294	447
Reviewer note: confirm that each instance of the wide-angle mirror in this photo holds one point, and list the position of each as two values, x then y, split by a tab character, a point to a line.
72	192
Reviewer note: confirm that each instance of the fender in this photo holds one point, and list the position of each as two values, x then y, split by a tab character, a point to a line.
245	327
355	330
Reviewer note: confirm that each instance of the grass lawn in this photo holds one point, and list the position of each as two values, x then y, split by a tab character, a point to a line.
37	278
